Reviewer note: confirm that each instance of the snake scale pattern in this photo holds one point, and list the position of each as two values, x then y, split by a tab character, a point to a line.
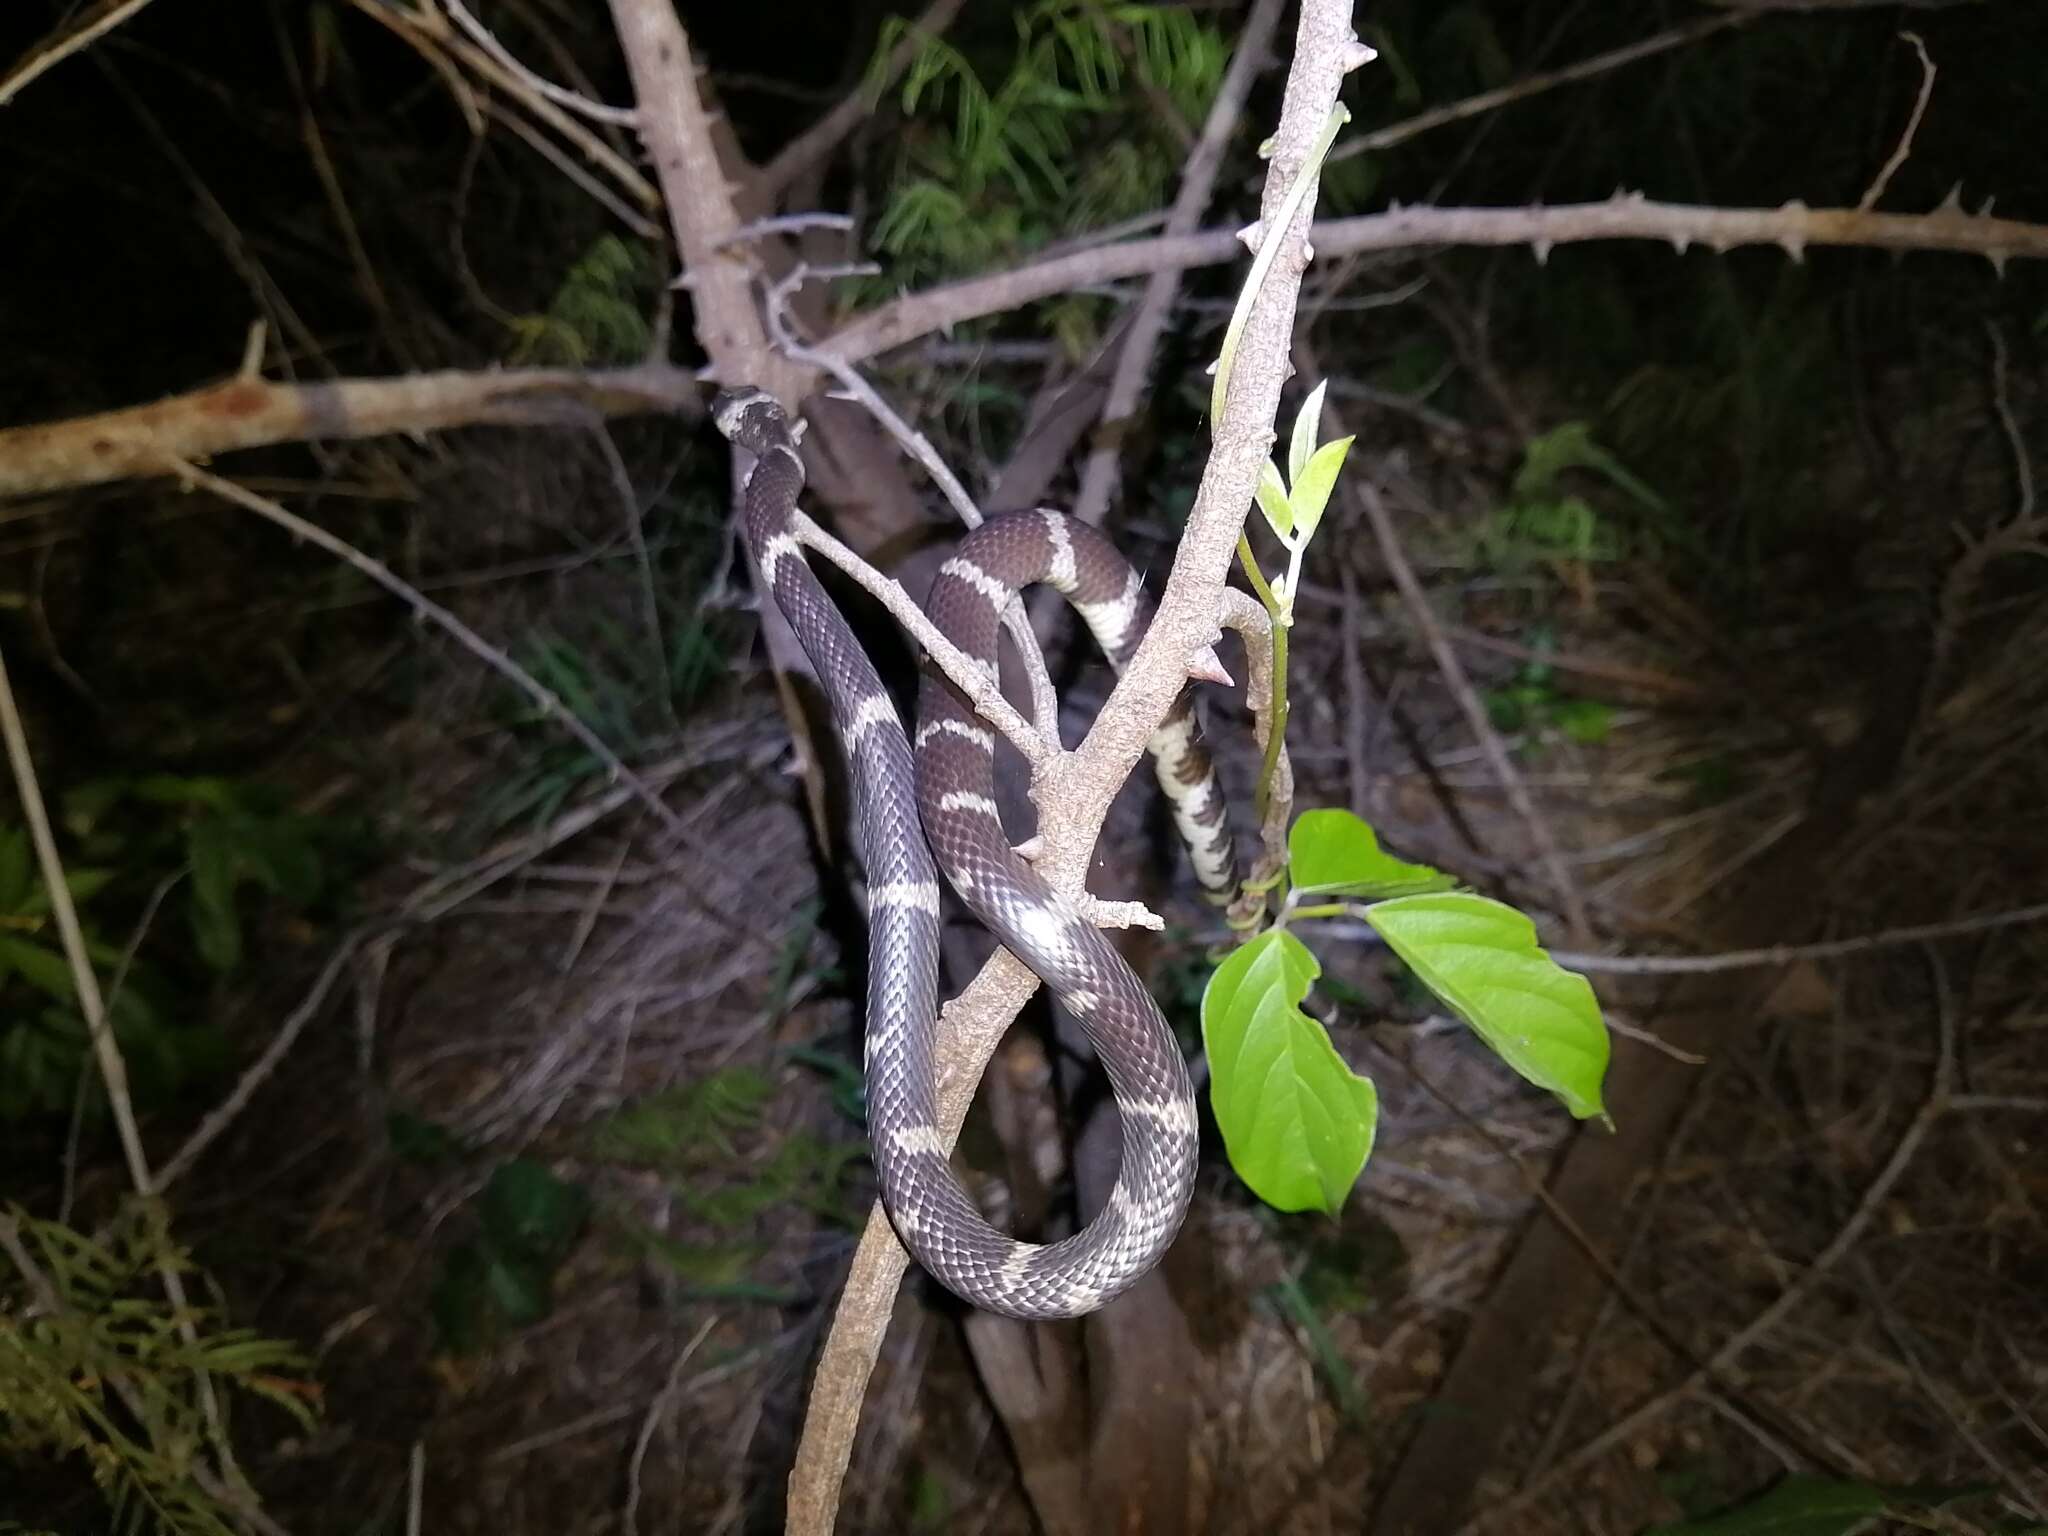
946	792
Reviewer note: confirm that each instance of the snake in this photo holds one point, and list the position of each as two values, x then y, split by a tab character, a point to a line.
939	798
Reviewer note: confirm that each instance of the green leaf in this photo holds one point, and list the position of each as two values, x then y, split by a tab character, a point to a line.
211	791
457	1300
529	1212
521	1289
1336	852
1481	957
417	1140
1298	1123
83	884
1312	490
1307	426
1798	1506
1274	503
15	884
1586	721
1570	445
44	969
1294	1303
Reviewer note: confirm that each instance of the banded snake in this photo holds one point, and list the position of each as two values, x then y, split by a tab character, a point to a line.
946	793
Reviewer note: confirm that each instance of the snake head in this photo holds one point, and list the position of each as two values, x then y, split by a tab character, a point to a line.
752	418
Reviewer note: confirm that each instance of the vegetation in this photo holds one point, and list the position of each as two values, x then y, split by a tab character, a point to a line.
523	1083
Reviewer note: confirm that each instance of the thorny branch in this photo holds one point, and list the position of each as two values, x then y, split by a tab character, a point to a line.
1083	783
1624	216
249	412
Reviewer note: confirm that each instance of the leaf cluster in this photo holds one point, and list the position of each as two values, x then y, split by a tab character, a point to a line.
209	846
1005	149
94	1366
1297	1122
527	1222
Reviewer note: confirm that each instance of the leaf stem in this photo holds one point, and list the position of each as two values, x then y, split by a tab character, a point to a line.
1255	576
1276	733
1322	909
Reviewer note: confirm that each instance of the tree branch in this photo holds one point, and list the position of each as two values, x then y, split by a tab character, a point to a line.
1624	216
677	132
74	37
249	412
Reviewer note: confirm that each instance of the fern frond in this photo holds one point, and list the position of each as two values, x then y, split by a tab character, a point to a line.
105	1374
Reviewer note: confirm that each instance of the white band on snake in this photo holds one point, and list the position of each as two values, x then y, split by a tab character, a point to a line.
948	795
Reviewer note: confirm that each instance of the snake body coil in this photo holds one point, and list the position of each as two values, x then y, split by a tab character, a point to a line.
949	795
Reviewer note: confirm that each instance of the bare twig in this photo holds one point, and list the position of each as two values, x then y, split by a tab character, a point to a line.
980	685
415	1487
1787	954
1905	144
429	32
85	984
1044	704
2020	534
1535	85
2022	462
788	224
258	1072
548	702
912	441
592	187
630	1519
1895	1329
113	1069
576	102
1616	1024
73	38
